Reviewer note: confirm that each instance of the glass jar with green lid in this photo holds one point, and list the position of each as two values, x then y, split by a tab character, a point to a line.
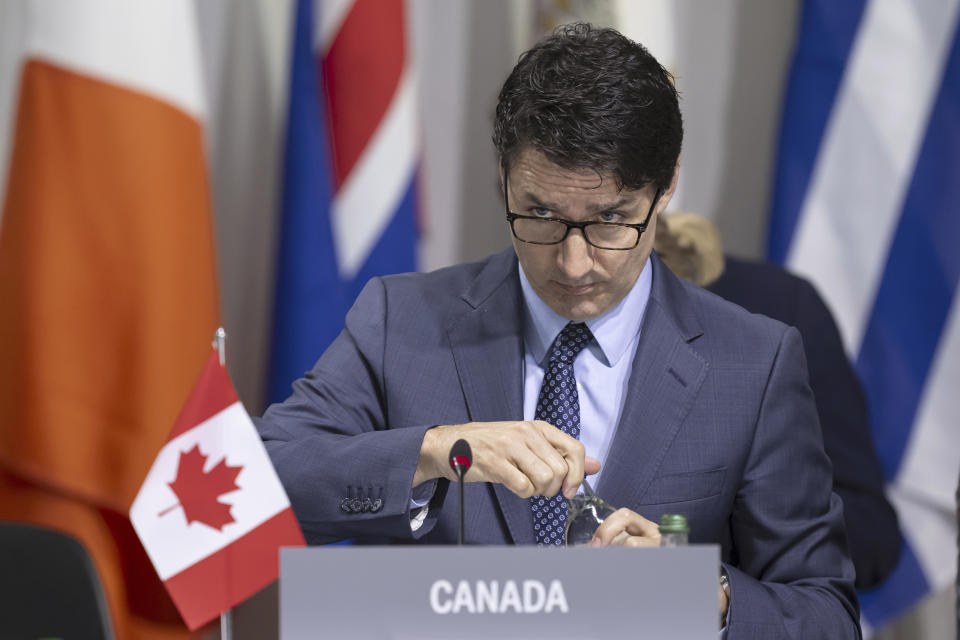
674	530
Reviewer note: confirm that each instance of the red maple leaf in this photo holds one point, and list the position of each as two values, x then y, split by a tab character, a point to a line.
198	490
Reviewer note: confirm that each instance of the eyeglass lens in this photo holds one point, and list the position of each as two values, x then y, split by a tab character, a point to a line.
551	231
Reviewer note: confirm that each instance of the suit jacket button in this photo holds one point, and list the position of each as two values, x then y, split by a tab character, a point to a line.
345	505
356	505
377	505
367	504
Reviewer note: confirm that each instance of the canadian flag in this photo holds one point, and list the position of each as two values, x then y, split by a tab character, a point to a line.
212	513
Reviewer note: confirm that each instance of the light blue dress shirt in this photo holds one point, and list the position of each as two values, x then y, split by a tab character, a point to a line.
602	369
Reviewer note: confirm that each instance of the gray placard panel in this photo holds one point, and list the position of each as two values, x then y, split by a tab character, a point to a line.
498	592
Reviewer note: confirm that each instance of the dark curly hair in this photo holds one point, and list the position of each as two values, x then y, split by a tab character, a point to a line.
591	98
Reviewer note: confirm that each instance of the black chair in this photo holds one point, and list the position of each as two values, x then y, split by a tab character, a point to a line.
49	587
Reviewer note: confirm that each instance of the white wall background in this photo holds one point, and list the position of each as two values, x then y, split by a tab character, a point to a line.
730	56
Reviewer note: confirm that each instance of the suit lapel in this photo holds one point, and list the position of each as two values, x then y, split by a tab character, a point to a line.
487	344
666	376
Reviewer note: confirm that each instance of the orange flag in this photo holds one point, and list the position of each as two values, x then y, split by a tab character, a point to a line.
108	293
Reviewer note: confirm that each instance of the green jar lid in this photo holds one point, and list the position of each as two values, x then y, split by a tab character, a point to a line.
673	523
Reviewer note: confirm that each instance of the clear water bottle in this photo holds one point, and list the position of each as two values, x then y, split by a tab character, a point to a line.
585	512
674	530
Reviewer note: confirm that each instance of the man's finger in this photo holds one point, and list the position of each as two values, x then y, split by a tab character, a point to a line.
620	539
573	453
559	465
541	475
635	541
572	483
629	522
513	479
591	465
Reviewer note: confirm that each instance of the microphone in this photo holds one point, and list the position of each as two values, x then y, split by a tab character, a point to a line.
460	457
460	460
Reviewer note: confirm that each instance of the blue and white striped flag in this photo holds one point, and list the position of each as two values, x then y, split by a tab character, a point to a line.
867	205
350	167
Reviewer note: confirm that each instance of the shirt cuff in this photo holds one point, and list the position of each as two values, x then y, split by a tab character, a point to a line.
420	503
418	517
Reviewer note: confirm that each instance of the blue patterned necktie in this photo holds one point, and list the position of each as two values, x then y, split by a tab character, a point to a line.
559	404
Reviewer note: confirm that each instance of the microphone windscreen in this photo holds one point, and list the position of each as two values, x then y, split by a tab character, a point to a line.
460	455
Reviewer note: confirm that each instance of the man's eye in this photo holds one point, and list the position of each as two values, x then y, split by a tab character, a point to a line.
610	216
540	212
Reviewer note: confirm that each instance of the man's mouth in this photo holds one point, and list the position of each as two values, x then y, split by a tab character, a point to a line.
575	290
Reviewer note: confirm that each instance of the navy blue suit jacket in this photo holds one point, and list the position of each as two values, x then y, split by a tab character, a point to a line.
719	424
870	520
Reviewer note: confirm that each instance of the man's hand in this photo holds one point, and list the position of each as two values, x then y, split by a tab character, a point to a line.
530	458
630	529
626	528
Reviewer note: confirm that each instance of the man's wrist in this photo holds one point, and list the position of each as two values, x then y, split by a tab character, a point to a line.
428	465
725	598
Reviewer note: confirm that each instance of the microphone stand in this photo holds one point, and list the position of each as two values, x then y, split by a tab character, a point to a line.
460	482
461	458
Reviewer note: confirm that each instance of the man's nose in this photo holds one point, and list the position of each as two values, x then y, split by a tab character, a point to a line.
575	256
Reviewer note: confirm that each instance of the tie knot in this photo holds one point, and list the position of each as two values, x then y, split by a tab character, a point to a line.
570	342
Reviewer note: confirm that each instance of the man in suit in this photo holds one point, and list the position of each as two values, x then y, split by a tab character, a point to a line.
577	351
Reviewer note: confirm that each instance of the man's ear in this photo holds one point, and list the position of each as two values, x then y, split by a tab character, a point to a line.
501	175
668	194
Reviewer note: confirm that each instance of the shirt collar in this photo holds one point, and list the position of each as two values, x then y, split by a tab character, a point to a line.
613	331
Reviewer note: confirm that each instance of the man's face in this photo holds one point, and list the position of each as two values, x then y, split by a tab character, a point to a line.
577	280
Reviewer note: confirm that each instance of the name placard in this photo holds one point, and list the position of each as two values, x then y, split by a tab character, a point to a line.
498	592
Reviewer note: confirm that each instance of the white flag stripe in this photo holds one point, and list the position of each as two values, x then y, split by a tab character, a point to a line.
328	16
654	23
140	45
857	191
929	469
13	41
931	533
171	543
375	187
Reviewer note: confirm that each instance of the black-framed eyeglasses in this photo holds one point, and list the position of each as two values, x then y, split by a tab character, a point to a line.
614	236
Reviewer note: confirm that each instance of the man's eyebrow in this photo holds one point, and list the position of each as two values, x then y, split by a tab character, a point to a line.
534	200
626	201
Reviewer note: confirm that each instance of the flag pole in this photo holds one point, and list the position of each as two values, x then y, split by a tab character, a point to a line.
220	344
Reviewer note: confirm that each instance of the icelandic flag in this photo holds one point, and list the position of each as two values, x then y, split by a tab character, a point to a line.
866	205
349	198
